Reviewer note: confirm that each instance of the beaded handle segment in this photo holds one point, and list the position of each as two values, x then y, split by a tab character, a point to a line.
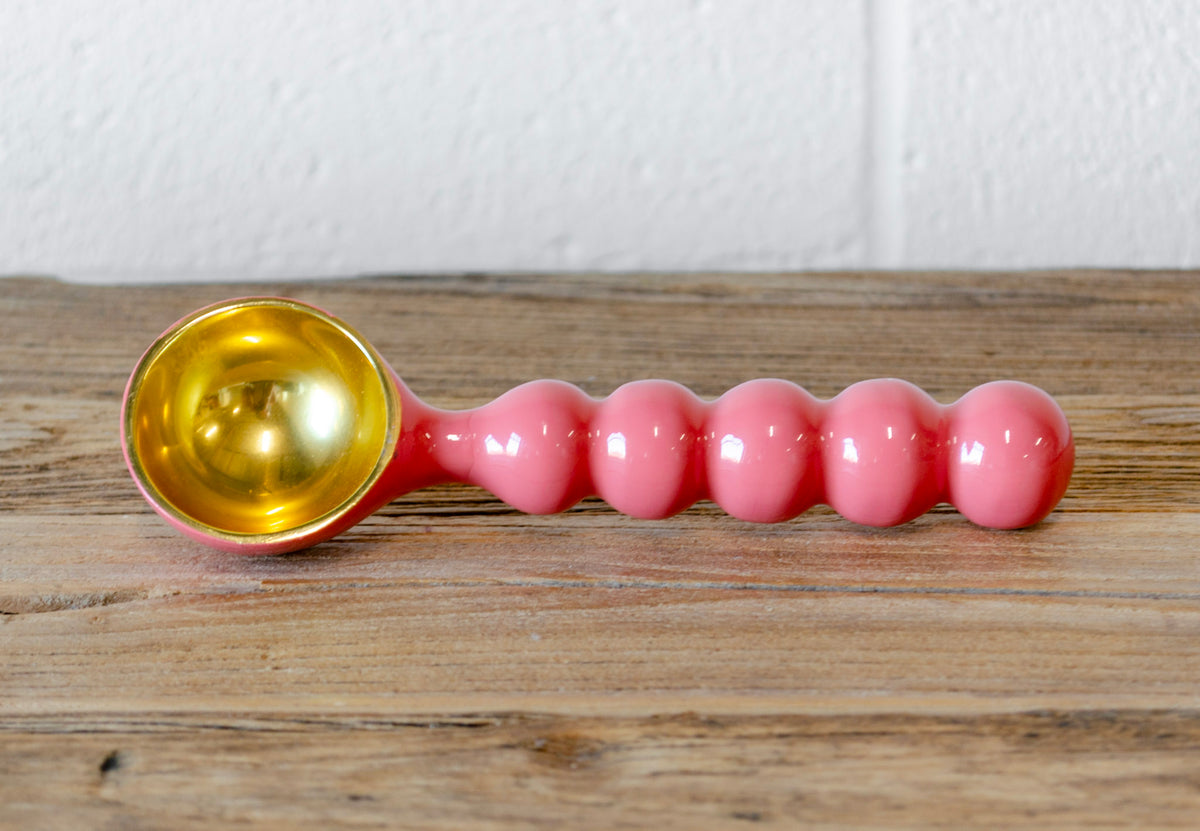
264	425
881	453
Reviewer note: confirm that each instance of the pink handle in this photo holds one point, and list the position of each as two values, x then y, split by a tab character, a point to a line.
880	453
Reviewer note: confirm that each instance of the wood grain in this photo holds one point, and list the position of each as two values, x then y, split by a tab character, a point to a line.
451	663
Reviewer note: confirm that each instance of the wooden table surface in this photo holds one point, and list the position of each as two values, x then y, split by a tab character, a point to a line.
451	663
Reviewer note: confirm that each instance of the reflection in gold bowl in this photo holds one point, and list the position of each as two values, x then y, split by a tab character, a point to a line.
259	420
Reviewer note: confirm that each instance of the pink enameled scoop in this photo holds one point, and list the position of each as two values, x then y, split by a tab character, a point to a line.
264	425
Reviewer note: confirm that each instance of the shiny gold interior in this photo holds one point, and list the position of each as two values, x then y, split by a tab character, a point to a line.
260	417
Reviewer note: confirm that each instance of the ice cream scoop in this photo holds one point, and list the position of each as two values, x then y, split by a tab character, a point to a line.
264	425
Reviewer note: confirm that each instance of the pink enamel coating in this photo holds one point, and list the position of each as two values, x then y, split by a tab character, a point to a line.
881	453
1009	455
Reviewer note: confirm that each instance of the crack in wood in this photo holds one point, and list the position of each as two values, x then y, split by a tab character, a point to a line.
67	601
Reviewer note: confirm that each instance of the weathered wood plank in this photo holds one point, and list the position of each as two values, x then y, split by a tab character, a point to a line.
313	642
589	670
1032	770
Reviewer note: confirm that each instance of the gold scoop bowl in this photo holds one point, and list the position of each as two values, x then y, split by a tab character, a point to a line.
259	425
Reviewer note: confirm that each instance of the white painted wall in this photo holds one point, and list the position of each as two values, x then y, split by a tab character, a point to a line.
232	139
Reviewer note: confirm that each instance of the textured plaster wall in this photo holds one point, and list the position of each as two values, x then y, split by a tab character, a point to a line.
228	139
1052	132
